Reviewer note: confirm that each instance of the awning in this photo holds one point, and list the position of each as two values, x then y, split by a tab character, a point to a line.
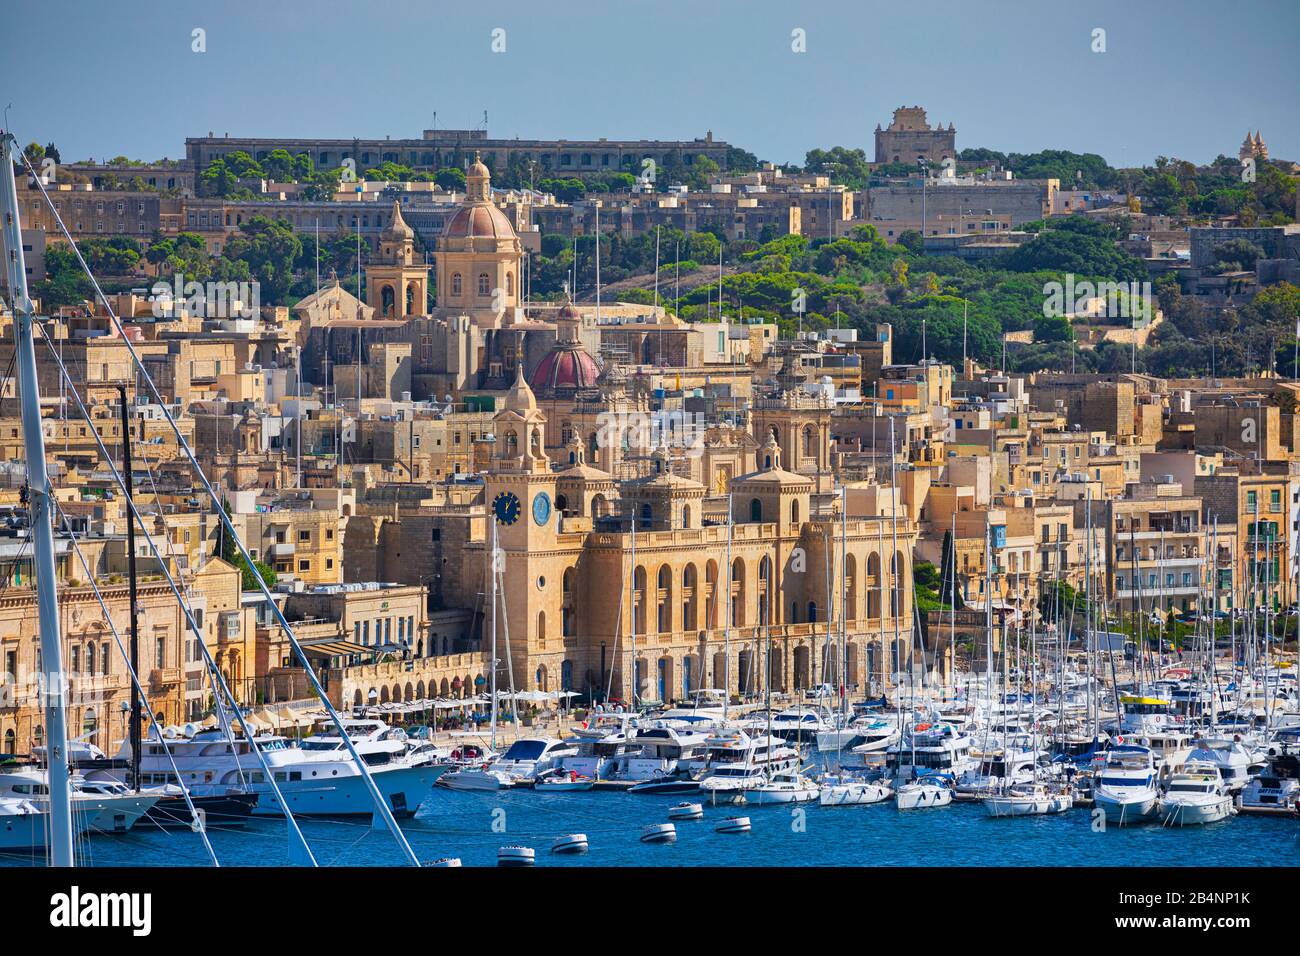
335	648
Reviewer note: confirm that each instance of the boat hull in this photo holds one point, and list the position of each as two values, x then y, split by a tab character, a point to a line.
1181	814
403	788
1124	810
853	794
921	798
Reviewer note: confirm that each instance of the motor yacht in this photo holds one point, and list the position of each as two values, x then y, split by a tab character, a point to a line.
317	777
1270	793
1125	788
25	825
1195	794
738	761
106	810
523	761
861	735
1230	756
941	747
784	786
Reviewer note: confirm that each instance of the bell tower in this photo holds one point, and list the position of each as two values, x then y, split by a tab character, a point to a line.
397	284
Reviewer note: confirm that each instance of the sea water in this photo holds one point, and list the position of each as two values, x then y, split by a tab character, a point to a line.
472	825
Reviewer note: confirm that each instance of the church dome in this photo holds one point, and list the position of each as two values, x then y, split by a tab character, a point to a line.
479	220
566	366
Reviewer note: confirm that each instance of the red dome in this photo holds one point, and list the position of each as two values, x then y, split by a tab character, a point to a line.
566	368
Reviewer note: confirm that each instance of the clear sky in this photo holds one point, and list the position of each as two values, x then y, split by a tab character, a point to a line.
1186	79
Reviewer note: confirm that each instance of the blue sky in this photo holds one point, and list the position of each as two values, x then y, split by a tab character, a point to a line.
1185	79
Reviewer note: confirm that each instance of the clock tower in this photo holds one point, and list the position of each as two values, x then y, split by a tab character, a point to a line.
519	492
519	487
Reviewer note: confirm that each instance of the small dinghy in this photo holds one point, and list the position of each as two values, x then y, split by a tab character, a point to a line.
445	861
513	856
570	843
560	782
659	833
733	825
686	811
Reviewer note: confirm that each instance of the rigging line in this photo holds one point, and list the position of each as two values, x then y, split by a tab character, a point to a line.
381	805
135	678
189	616
218	707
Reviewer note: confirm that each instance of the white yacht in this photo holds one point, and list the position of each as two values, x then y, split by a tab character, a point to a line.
521	764
784	786
601	751
318	778
739	761
1196	794
25	825
1232	759
1025	800
927	790
1002	763
866	734
851	790
1126	787
941	748
800	724
667	750
1270	794
104	812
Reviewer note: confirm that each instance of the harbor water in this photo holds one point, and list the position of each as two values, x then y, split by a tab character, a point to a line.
472	826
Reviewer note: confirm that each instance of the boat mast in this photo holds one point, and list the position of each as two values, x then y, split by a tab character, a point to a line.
131	576
492	574
47	603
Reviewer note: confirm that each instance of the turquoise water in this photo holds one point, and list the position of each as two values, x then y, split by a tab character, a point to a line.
462	825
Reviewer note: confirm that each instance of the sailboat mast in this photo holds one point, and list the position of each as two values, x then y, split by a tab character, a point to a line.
42	530
492	575
131	576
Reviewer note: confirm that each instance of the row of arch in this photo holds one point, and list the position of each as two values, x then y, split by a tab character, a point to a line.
679	603
456	687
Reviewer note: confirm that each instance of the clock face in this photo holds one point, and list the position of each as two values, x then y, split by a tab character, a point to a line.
506	507
542	508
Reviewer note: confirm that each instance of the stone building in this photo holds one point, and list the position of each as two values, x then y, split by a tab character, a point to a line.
910	138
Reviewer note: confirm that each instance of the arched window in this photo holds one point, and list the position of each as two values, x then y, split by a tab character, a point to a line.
484	285
541	625
510	283
756	510
664	608
386	300
794	512
455	283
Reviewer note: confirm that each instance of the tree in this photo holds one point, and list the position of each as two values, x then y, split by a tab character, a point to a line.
451	179
227	552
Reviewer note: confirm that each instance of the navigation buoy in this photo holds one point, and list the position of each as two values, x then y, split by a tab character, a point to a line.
734	825
571	843
516	856
686	811
659	833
